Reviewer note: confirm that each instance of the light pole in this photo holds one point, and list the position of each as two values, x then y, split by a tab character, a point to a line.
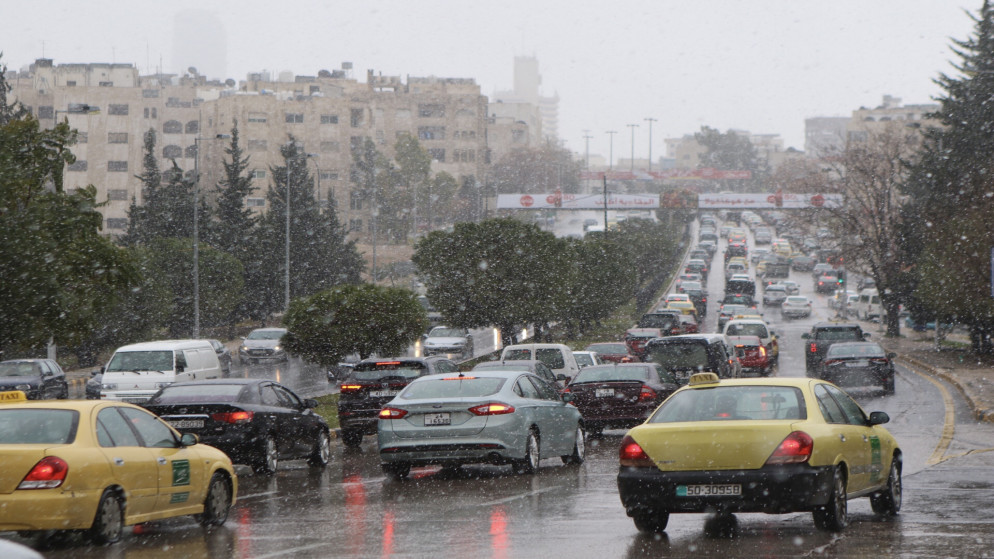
196	231
610	159
650	120
633	127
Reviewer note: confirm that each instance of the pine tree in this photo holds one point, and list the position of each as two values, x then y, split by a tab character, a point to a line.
234	225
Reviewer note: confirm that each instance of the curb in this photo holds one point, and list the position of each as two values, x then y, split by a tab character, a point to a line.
979	413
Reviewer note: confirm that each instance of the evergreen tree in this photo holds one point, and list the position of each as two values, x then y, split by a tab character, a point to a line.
233	228
731	151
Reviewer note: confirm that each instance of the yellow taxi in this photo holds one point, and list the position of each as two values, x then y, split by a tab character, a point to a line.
685	307
773	445
101	465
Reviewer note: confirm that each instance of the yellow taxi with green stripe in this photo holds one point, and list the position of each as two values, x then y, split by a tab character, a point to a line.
772	445
98	466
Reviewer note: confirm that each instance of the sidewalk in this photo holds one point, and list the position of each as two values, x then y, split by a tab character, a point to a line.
972	376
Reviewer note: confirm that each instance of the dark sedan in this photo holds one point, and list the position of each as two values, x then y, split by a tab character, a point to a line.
619	396
858	364
39	379
254	421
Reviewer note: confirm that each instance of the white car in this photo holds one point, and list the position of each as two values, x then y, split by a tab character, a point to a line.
444	340
755	327
791	287
796	306
263	344
587	358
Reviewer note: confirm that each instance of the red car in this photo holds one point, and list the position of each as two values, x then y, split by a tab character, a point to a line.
752	354
612	352
688	324
637	338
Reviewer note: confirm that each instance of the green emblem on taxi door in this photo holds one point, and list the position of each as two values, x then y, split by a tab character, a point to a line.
181	472
876	466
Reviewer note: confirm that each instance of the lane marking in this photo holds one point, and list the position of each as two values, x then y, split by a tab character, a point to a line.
949	424
520	496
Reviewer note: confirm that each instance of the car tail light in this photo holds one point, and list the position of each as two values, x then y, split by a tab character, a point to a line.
350	388
831	362
814	347
647	394
233	417
392	413
492	408
879	360
762	351
48	473
794	449
675	330
631	454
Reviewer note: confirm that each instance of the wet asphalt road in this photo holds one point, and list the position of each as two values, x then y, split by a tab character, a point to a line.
351	509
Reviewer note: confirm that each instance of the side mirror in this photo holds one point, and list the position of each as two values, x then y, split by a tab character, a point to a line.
310	403
180	368
805	336
562	377
891	355
189	439
567	398
878	418
96	372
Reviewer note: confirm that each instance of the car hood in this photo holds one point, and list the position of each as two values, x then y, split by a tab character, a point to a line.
439	340
711	445
7	382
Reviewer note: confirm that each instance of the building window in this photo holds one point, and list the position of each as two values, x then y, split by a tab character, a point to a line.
257	117
315	89
330	147
82	137
255	202
355	225
357	118
119	110
193	127
431	110
355	142
463	155
172	152
117	223
258	174
191	151
437	155
172	127
355	201
257	145
117	137
71	83
151	112
117	194
329	119
329	175
106	84
78	165
46	111
117	166
431	132
295	118
150	93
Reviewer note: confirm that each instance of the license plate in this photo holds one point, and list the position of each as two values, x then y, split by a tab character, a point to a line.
437	419
604	392
858	363
187	423
716	490
383	393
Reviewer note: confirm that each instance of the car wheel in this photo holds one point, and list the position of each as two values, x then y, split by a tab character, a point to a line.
64	395
834	515
889	385
321	453
396	470
651	522
351	437
529	463
888	501
579	448
109	522
268	458
218	502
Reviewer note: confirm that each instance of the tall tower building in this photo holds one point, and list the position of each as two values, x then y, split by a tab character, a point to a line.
199	41
526	91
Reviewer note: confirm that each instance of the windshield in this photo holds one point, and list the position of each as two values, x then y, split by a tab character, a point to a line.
265	335
852	333
690	355
383	370
19	369
141	361
609	372
453	387
37	426
447	333
198	393
746	330
608	348
747	403
868	349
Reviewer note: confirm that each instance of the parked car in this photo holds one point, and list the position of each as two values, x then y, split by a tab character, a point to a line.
263	344
868	305
858	364
823	335
374	382
685	355
611	352
747	445
796	306
619	396
752	354
533	366
637	338
495	417
223	356
442	340
256	422
39	379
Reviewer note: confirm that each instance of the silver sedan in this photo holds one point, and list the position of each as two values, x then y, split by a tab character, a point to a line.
495	417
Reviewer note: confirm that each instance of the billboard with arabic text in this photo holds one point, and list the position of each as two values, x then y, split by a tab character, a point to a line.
577	201
768	201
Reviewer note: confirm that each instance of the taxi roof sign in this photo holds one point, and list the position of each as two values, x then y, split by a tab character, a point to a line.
12	396
703	378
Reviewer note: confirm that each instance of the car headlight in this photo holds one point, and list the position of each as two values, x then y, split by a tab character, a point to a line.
23	386
243	348
110	386
277	348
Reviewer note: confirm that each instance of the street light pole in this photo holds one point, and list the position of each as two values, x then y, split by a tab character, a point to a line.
633	127
610	159
650	120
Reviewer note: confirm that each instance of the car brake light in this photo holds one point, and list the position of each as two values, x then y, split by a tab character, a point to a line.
794	449
879	360
350	388
48	473
387	363
814	347
762	351
392	413
647	394
233	417
631	454
492	408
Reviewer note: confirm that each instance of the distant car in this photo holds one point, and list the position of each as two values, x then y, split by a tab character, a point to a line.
668	321
677	297
263	344
685	307
689	324
755	327
792	287
758	254
495	417
586	358
774	445
752	354
686	276
442	340
254	421
611	352
533	366
827	282
802	263
223	356
685	355
637	338
823	335
727	311
819	269
858	364
796	306
619	396
774	295
39	379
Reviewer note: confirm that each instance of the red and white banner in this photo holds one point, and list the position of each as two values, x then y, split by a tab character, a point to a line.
557	200
768	201
667	174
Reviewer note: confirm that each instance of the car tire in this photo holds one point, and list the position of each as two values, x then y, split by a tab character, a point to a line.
321	453
108	524
888	501
396	470
889	386
651	522
351	437
268	459
217	503
529	463
834	515
579	448
64	394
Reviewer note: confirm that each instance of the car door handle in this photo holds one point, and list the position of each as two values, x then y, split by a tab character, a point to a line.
119	461
162	461
865	439
842	438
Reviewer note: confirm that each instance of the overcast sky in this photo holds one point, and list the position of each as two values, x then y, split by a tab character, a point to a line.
758	65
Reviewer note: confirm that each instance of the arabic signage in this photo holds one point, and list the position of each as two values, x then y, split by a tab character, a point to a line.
766	201
563	201
667	174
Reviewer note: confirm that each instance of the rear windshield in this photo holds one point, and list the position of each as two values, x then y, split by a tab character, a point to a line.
198	394
606	373
20	370
141	361
553	358
379	371
838	334
692	355
265	335
518	355
723	403
38	426
608	348
854	350
654	321
453	387
757	330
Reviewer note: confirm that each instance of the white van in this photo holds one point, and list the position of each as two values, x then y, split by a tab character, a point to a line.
137	371
868	306
558	357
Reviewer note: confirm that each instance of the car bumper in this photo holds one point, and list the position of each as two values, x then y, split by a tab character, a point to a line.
772	489
856	376
361	420
48	509
454	450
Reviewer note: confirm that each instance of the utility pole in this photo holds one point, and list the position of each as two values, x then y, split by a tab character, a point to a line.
610	159
650	120
633	127
586	139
